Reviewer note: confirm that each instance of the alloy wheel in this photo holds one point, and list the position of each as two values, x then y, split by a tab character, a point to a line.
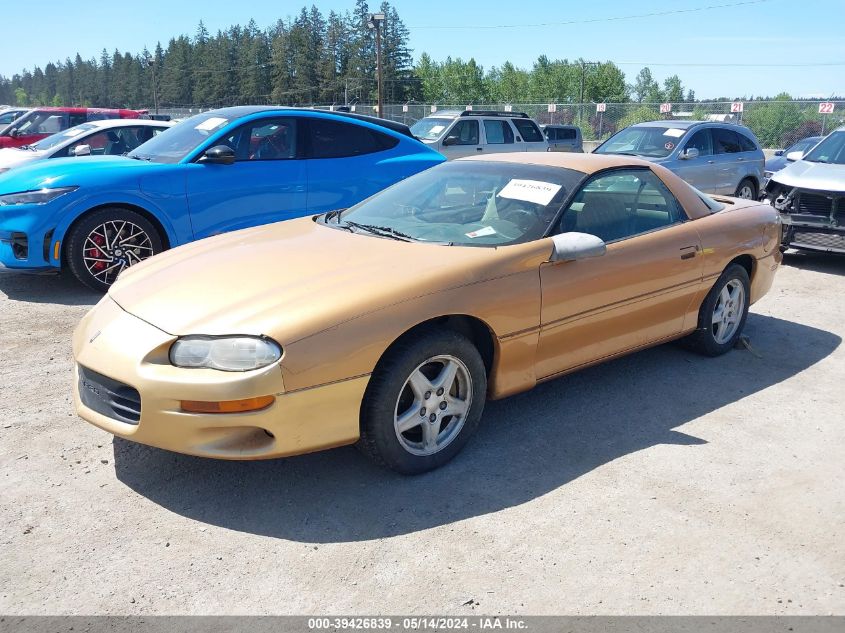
113	246
433	405
728	311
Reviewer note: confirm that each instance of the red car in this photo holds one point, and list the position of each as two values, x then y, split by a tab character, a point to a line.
41	122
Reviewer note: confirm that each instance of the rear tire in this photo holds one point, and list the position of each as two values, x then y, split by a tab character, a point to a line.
107	241
746	190
423	402
723	313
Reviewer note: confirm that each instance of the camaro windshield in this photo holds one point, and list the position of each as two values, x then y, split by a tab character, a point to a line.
830	150
172	145
466	203
654	142
57	139
430	128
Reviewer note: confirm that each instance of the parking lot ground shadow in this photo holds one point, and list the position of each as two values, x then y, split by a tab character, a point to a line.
830	263
62	289
526	446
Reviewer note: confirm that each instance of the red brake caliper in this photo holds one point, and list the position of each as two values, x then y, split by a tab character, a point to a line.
93	252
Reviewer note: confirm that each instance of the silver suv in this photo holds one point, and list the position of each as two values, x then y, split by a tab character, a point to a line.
714	157
472	132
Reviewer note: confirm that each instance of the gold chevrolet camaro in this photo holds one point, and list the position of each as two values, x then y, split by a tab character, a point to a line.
391	323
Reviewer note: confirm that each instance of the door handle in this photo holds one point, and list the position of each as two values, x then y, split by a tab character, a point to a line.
688	252
740	158
479	149
709	162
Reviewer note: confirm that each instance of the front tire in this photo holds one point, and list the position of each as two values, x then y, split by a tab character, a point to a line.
423	402
723	313
107	241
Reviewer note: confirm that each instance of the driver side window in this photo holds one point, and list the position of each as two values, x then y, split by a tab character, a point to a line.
466	132
621	204
264	139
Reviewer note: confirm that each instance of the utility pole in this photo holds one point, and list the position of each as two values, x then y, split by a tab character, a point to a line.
376	22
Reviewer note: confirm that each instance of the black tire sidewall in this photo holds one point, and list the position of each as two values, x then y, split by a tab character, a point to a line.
378	407
706	343
74	251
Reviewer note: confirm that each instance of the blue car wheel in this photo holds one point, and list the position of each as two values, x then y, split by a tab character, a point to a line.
106	242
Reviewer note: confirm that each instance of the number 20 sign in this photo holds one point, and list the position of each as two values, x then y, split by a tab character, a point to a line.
826	108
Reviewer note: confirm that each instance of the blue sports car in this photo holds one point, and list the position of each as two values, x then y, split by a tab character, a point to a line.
218	171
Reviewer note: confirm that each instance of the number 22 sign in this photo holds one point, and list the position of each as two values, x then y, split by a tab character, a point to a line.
826	108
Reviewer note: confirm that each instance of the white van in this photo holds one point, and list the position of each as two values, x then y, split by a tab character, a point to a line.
471	132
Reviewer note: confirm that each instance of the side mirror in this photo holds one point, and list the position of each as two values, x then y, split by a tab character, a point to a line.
690	152
218	155
793	156
82	150
450	140
779	152
14	133
572	246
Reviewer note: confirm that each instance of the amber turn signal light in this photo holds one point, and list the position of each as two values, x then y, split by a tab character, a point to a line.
228	406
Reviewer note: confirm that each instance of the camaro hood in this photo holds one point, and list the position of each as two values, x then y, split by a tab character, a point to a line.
63	172
295	278
12	157
808	175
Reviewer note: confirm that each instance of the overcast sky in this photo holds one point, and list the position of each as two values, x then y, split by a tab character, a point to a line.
761	47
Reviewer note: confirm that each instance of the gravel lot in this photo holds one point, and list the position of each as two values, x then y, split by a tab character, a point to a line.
661	483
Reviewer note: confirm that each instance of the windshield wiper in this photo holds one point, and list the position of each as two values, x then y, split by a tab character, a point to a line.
30	147
381	231
140	157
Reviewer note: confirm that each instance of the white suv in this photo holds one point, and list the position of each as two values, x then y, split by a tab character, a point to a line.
471	132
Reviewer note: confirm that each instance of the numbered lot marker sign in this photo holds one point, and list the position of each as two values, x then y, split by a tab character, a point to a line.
665	108
826	108
601	107
552	107
737	106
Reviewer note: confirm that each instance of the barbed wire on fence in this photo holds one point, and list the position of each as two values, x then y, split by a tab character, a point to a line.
776	124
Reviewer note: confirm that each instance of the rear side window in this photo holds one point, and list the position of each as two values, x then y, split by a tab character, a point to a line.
333	139
528	130
725	141
565	134
746	143
498	132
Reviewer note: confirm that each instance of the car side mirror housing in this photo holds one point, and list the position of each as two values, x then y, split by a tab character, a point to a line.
218	155
690	152
779	152
793	156
571	246
82	150
450	140
14	134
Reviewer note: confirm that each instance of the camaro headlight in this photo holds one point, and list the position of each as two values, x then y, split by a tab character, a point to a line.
227	353
40	196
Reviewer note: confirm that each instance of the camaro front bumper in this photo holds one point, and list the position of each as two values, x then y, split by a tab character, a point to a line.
125	384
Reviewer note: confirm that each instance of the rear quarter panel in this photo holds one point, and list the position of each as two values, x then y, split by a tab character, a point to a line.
742	228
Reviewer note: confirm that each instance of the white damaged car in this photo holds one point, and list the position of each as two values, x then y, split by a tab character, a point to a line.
810	196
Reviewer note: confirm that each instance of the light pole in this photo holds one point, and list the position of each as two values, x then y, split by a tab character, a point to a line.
375	22
151	62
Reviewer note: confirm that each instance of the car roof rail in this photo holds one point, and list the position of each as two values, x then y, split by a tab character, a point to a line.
517	115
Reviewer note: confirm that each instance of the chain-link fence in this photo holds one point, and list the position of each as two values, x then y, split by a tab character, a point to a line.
776	124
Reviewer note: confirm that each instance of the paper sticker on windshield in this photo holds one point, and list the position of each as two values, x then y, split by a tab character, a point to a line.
673	131
437	129
669	146
485	232
535	191
73	132
212	123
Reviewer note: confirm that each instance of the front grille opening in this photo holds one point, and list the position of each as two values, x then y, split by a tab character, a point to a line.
20	245
109	397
